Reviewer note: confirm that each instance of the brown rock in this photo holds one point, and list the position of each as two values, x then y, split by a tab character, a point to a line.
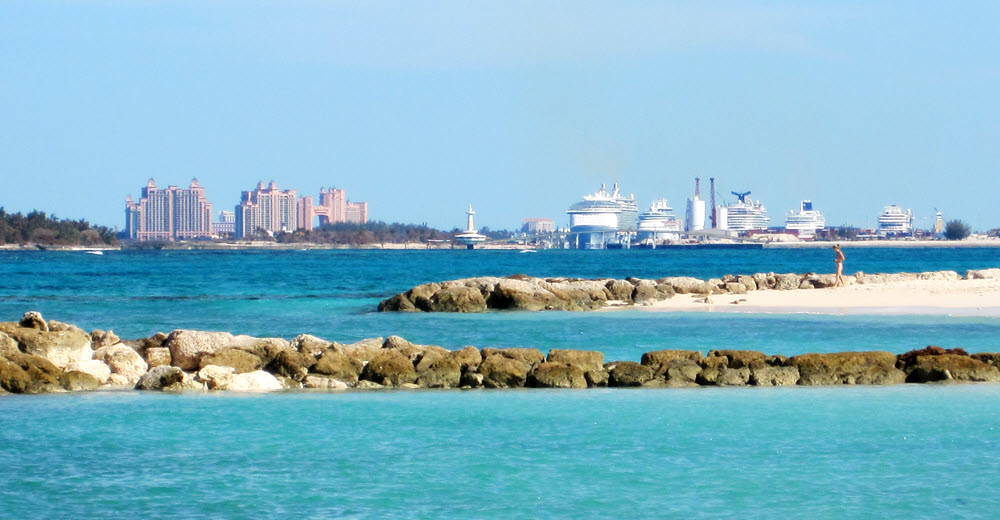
557	375
786	282
531	356
33	320
239	359
628	373
76	381
500	371
733	376
659	360
339	366
468	358
309	345
620	290
24	373
188	346
60	347
741	358
990	358
390	368
684	284
950	367
291	363
160	377
8	345
861	368
682	372
364	350
586	360
443	372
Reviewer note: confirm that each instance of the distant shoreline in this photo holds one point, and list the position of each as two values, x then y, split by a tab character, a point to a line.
261	245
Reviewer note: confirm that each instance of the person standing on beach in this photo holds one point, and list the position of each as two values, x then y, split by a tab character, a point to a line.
840	266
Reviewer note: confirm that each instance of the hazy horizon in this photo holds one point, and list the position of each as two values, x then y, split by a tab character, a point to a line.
517	108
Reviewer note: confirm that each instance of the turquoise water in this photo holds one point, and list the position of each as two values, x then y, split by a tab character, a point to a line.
889	452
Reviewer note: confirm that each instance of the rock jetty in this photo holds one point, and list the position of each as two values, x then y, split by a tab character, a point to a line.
521	292
39	356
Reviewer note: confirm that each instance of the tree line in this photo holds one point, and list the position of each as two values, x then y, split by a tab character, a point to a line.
38	228
374	232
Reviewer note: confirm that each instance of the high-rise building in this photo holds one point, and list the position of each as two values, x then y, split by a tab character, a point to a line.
268	209
169	214
536	226
333	207
225	226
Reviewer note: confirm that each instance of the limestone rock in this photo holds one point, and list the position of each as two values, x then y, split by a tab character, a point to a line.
264	348
258	381
75	381
339	366
685	284
951	367
61	348
443	372
58	326
100	338
749	282
390	368
557	375
786	282
27	374
160	377
123	360
310	345
471	380
586	360
500	371
468	358
188	346
628	373
120	381
8	345
659	360
530	356
368	385
741	358
983	274
597	377
990	358
733	376
711	367
620	290
647	292
34	320
291	363
774	376
214	376
158	356
411	350
682	372
861	368
323	383
364	350
239	359
95	367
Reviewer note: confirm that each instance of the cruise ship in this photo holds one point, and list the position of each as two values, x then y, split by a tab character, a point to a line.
657	225
894	221
806	222
745	215
603	219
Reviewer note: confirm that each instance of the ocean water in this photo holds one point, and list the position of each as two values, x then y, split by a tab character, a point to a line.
907	451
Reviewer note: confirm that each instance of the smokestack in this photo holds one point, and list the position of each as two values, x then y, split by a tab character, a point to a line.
697	187
711	181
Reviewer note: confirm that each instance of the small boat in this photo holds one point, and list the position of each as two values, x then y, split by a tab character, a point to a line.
528	251
95	252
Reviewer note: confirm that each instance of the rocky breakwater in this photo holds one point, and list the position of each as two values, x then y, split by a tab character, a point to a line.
523	292
39	356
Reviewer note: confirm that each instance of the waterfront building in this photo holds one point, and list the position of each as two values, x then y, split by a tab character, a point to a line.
538	226
602	219
268	209
694	214
894	221
225	226
169	213
333	207
806	222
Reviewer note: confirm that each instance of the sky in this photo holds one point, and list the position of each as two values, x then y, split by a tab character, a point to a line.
517	107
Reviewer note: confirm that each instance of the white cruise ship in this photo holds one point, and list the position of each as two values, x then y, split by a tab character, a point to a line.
806	221
895	221
657	224
745	215
600	217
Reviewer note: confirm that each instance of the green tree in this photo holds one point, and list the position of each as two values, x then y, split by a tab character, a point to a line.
956	230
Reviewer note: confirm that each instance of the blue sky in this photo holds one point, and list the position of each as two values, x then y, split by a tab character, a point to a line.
517	107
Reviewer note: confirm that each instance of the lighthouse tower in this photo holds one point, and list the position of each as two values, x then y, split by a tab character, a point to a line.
470	238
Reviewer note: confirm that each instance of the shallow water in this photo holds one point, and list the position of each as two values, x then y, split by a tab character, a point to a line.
905	451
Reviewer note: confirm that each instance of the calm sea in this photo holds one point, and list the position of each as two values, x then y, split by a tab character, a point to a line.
898	452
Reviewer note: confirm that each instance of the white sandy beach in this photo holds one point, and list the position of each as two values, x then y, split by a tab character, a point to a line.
938	297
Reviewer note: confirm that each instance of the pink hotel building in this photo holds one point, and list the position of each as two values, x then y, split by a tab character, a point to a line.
177	214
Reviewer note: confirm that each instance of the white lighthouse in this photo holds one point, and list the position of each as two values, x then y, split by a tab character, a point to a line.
470	238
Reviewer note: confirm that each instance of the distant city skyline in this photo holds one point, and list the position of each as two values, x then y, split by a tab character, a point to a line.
518	108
